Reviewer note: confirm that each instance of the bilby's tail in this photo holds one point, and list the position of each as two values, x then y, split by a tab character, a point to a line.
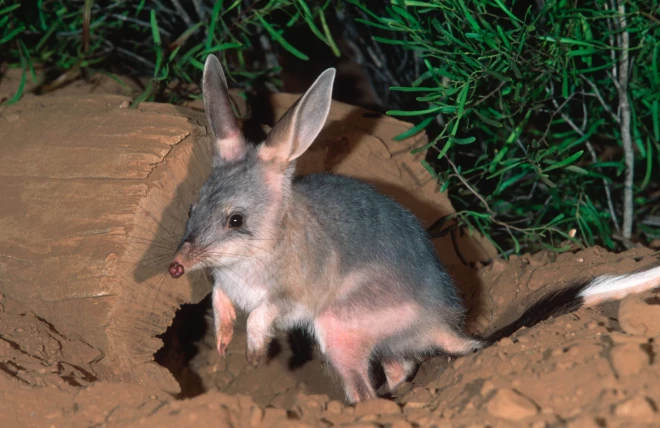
583	294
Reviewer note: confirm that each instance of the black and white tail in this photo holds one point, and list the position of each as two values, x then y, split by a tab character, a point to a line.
582	294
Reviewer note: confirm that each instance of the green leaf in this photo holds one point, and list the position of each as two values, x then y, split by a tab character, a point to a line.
514	20
564	162
414	112
445	148
279	39
415	129
430	170
154	27
508	182
328	35
468	16
462	98
649	164
486	120
9	9
21	87
215	16
498	75
13	33
415	88
468	140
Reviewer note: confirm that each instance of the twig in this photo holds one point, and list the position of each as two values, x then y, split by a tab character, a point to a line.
626	138
182	12
199	9
600	98
140	23
136	57
470	188
610	27
594	158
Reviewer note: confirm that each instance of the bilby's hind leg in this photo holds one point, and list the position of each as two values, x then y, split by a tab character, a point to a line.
397	371
348	350
260	331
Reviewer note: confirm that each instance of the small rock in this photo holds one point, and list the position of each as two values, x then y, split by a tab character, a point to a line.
505	342
311	405
271	416
583	422
418	397
637	407
285	400
368	418
377	405
510	405
418	416
591	325
629	359
403	389
621	338
483	322
256	416
336	418
124	104
486	388
638	318
360	425
334	406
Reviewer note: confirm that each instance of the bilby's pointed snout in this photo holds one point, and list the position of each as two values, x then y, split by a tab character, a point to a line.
177	268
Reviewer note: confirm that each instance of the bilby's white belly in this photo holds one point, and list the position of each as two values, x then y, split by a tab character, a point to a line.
244	283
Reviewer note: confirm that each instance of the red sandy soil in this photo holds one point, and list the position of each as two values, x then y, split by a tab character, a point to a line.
593	368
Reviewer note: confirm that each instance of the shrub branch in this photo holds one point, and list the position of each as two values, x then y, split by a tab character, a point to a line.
624	111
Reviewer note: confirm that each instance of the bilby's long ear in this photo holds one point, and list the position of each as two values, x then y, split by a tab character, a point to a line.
227	140
298	128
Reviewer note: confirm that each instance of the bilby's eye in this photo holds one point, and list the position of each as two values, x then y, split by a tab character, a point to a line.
235	221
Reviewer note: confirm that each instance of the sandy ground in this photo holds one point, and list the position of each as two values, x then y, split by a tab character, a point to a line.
593	368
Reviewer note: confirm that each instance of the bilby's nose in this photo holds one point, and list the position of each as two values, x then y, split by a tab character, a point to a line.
176	269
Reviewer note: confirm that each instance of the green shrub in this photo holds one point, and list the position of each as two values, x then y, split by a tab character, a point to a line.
528	107
543	116
167	40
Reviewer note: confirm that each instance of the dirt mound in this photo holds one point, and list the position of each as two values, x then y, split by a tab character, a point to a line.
79	327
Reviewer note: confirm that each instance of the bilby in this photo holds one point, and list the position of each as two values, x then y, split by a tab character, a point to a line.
329	253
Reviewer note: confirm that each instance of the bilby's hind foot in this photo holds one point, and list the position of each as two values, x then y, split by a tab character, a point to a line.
454	343
397	371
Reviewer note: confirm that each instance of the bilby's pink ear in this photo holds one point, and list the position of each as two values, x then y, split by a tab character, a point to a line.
298	128
227	140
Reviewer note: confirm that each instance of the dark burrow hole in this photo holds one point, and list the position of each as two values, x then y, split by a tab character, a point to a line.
190	325
180	346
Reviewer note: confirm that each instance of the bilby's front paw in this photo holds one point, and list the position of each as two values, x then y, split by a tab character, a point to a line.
223	336
256	356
